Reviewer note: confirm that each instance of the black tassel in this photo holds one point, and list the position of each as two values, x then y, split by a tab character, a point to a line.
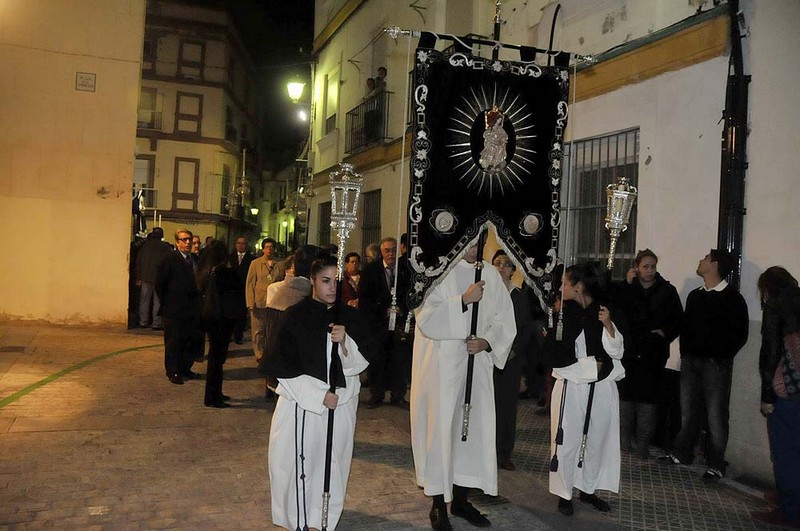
554	463
560	436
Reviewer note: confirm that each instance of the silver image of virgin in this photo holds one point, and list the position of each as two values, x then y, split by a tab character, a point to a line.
491	139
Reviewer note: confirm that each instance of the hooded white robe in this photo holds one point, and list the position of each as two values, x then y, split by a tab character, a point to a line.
439	374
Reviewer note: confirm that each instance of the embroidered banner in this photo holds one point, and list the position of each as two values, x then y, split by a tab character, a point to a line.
486	153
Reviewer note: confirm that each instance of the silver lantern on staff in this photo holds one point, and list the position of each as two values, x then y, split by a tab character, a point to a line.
621	197
345	190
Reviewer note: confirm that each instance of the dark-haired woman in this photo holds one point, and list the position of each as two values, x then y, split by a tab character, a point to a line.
220	287
653	311
589	352
780	390
299	355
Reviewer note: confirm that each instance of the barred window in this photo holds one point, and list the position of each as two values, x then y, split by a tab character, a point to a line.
371	220
324	236
591	165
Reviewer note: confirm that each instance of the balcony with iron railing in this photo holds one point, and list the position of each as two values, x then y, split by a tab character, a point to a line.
368	123
150	120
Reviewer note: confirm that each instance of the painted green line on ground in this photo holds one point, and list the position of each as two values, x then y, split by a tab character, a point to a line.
22	392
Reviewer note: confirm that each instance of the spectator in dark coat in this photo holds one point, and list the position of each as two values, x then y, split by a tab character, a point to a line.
507	379
239	260
222	292
715	327
150	255
180	310
653	309
780	390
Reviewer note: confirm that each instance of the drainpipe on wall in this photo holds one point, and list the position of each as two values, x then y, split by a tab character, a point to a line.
734	152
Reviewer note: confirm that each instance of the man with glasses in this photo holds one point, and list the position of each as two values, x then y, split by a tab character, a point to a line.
388	368
180	310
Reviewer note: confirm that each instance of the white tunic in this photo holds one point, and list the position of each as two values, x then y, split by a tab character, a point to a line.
300	408
601	464
439	374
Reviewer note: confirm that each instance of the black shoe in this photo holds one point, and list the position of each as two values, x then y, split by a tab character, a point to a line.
373	403
595	502
225	397
439	520
402	403
189	375
175	378
524	395
238	341
218	404
565	507
468	512
507	465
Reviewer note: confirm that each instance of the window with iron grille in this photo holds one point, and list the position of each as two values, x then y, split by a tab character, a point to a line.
591	165
324	235
371	220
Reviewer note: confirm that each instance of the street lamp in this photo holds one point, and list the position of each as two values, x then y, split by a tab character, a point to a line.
254	211
295	89
285	225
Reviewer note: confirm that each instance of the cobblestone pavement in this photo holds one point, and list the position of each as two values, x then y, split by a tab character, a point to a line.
93	436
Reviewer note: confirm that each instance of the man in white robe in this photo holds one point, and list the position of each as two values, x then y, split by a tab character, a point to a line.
445	465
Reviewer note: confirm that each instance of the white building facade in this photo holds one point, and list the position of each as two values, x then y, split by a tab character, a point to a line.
650	107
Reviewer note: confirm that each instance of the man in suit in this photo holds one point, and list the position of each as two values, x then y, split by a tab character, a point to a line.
388	368
180	310
239	260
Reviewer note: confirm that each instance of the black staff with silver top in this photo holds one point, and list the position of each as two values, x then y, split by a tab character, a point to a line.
473	331
345	190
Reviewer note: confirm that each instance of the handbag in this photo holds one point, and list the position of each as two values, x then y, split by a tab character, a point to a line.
786	381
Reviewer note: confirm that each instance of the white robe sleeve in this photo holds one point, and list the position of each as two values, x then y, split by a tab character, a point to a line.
613	345
441	317
354	363
584	370
500	329
306	390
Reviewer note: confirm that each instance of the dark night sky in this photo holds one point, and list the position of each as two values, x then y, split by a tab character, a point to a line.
278	35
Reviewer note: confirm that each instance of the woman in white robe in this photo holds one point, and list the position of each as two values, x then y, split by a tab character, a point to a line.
299	423
589	352
439	370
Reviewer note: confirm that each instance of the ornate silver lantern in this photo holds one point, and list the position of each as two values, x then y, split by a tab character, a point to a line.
621	197
345	190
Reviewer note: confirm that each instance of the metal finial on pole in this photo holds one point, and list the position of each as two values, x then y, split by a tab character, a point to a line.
621	197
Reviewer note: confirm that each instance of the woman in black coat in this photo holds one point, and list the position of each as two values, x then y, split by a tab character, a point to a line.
653	310
220	287
780	389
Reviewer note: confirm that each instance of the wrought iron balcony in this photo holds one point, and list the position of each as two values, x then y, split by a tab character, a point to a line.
147	119
368	123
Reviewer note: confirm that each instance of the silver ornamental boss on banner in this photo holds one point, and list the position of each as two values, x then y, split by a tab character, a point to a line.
621	197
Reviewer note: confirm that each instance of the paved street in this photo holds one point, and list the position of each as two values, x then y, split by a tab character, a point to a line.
93	436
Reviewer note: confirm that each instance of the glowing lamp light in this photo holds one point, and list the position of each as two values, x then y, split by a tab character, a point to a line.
295	89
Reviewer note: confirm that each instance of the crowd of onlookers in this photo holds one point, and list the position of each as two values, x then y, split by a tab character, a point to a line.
596	362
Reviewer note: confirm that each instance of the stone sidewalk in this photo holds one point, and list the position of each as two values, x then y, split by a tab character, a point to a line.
93	436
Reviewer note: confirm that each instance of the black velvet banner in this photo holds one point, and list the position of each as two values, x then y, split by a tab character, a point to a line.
486	153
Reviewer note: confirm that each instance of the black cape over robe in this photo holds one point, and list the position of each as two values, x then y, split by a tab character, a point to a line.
297	345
